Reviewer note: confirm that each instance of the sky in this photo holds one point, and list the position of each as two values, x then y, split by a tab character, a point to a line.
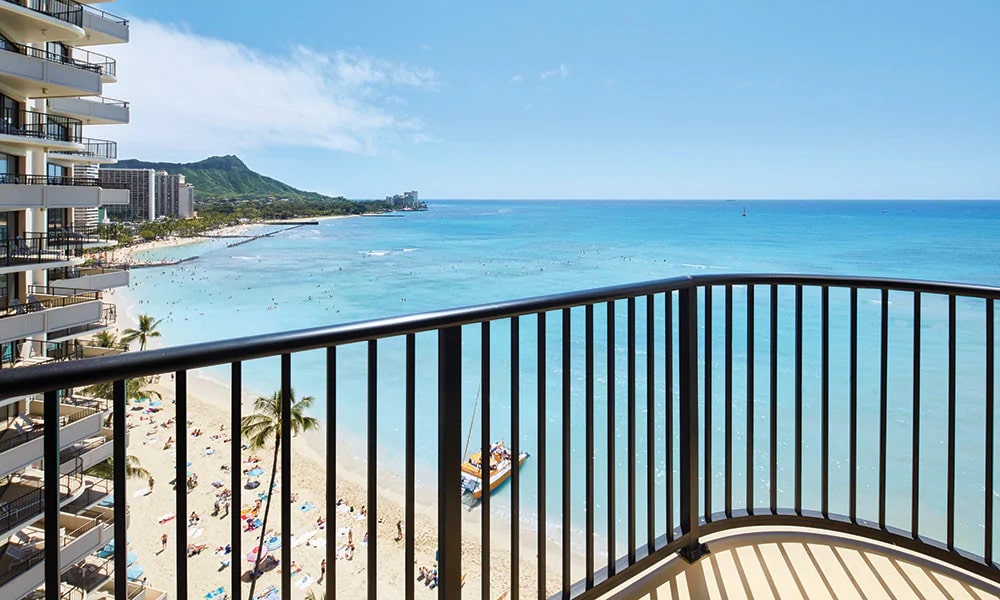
607	100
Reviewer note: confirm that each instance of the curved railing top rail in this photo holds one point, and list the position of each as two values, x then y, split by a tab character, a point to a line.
40	378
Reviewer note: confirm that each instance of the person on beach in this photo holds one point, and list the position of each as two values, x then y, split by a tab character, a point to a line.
163	542
151	481
322	571
399	530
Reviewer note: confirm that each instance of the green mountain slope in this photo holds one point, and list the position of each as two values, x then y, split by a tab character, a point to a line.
223	177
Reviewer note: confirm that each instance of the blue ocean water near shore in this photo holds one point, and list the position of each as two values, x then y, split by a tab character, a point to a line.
469	252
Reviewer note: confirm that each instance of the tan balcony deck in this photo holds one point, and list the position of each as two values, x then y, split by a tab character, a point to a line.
802	563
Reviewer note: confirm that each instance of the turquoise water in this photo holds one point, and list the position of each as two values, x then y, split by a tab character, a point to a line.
462	253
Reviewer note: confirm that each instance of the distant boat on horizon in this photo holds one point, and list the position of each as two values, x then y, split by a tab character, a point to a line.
744	211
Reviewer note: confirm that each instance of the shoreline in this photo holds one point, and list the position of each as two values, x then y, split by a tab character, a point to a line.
208	404
127	254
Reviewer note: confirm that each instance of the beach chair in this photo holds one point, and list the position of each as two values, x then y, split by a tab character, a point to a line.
34	304
19	308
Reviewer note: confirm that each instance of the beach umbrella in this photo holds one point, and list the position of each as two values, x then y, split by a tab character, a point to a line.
252	484
273	543
252	555
255	472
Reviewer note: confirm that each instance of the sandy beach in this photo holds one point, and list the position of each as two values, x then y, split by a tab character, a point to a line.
208	412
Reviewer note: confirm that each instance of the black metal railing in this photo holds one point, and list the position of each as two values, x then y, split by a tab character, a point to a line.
34	248
64	10
68	273
94	148
31	504
737	401
35	432
54	298
20	179
50	56
55	351
28	123
103	62
106	15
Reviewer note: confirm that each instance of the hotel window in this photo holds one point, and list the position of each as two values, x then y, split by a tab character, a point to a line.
10	115
57	174
8	168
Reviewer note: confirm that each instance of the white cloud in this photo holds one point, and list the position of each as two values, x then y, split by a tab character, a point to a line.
192	96
516	79
561	71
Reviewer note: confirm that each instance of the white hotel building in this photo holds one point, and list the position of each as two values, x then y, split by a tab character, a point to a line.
51	85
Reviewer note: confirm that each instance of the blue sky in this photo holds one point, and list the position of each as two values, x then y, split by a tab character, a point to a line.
783	99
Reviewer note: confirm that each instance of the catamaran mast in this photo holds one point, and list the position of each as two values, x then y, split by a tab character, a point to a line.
468	438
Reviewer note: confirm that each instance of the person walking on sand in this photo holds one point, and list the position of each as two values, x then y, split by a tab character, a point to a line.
399	530
163	542
151	482
322	570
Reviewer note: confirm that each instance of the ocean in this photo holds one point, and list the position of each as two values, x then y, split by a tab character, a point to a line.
461	253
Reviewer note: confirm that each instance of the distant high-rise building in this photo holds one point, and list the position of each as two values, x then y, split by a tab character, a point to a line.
141	184
168	194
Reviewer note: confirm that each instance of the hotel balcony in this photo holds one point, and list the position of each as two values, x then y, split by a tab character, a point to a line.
36	73
92	111
25	353
19	192
103	27
33	251
55	311
107	320
21	566
42	20
89	278
21	439
88	151
711	436
54	133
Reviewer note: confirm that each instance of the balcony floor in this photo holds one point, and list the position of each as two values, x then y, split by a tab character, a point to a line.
800	563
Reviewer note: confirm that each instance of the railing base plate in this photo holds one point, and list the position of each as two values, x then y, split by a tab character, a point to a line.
692	553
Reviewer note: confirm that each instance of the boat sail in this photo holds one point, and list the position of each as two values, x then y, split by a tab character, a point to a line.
500	465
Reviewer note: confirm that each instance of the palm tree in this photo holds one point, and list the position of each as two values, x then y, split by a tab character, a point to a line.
263	426
108	339
136	387
106	469
146	330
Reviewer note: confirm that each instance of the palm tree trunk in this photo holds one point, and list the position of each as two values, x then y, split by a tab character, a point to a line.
267	510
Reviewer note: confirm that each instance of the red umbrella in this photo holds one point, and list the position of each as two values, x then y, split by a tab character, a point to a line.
252	555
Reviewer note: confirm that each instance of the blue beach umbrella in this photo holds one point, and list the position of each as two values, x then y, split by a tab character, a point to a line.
255	472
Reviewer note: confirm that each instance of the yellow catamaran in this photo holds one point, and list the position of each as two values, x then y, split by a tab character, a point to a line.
500	465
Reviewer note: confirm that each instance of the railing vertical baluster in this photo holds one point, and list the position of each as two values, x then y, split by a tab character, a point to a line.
372	469
235	475
825	402
542	453
410	476
484	374
798	400
286	474
52	472
668	412
589	441
566	408
709	470
773	410
883	417
120	489
751	474
852	488
729	402
688	354
180	483
630	463
988	500
611	436
449	455
331	477
915	413
515	479
951	421
650	426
